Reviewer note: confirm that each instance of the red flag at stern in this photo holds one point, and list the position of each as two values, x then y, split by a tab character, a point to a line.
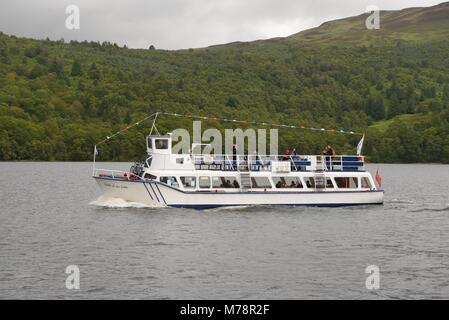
378	178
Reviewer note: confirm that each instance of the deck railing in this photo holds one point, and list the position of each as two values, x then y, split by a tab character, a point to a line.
278	163
116	174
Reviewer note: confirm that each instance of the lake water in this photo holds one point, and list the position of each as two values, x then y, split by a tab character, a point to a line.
50	218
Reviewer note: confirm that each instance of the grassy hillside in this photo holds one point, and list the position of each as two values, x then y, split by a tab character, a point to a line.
412	24
57	99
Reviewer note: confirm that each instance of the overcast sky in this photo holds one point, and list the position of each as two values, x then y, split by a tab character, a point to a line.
178	24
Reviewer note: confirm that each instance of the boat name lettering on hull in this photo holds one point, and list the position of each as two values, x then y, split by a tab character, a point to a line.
114	185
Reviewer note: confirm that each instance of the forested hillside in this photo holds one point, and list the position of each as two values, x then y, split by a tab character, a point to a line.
57	98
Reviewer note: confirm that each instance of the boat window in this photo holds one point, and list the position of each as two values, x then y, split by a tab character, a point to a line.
366	184
188	182
150	143
161	143
171	181
310	182
287	182
204	182
260	182
329	183
149	176
225	182
346	182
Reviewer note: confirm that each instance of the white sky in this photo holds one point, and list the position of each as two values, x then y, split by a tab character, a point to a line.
178	24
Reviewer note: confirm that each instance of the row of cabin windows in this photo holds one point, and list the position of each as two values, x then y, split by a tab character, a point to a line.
205	182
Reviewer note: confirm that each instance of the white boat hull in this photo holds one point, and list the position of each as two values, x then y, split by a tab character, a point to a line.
157	194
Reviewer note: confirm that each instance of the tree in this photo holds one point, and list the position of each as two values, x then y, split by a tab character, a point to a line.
37	71
6	147
435	106
76	68
57	67
446	95
375	106
396	106
94	73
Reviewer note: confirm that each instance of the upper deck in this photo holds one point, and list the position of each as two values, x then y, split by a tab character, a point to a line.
279	163
161	157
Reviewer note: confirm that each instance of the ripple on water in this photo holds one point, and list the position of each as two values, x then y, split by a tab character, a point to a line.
446	208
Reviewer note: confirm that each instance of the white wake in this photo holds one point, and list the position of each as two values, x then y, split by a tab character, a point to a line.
108	202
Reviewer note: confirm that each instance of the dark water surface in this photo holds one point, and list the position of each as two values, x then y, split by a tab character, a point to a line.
48	220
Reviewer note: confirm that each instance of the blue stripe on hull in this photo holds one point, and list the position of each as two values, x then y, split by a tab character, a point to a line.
212	206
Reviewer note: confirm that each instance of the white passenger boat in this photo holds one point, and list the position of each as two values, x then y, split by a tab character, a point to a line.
201	182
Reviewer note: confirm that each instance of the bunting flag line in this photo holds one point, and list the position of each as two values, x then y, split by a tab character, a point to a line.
251	122
254	122
127	128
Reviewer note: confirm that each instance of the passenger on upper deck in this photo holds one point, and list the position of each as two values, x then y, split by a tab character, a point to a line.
234	156
328	150
286	154
294	154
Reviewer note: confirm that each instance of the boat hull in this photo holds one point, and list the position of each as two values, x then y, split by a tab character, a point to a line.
157	194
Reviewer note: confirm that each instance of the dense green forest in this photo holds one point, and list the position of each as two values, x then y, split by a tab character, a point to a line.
57	99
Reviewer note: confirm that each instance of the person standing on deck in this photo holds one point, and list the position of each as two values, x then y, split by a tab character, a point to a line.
234	156
329	152
294	154
286	154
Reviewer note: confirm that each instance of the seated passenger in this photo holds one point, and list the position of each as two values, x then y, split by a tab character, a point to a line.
293	184
228	184
236	184
279	184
